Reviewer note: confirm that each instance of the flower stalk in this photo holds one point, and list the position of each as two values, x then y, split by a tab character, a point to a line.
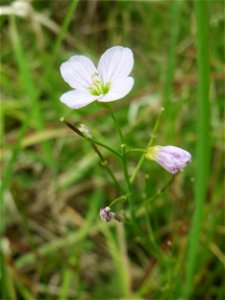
103	161
124	162
151	140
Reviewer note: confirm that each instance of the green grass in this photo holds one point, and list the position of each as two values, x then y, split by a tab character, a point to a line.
170	245
203	147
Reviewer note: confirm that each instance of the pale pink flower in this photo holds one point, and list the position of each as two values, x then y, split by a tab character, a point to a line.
110	81
170	158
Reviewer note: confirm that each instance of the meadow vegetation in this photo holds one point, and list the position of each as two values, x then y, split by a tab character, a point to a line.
54	244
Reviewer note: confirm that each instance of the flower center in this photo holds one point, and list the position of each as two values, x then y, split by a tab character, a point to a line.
98	87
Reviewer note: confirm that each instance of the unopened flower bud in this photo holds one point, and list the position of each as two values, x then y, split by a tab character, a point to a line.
170	158
107	215
85	130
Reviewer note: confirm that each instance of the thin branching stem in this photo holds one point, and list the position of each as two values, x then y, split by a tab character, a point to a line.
124	162
104	146
152	138
119	199
89	139
136	150
104	162
160	191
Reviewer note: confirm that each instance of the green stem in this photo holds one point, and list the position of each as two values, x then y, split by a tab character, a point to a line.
119	199
103	161
159	192
116	124
127	179
136	150
104	146
124	162
152	138
203	142
104	164
89	139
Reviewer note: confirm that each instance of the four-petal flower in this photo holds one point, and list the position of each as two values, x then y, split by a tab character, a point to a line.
110	81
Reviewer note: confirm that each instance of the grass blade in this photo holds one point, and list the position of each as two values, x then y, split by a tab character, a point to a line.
203	141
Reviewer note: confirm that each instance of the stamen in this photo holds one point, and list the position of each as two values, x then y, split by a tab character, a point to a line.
98	87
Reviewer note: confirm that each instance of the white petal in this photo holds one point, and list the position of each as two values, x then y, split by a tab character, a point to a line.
77	99
78	72
119	89
114	63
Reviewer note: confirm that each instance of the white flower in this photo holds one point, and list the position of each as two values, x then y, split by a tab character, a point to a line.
110	81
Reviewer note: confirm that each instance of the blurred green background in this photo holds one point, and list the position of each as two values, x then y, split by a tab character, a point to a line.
54	245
